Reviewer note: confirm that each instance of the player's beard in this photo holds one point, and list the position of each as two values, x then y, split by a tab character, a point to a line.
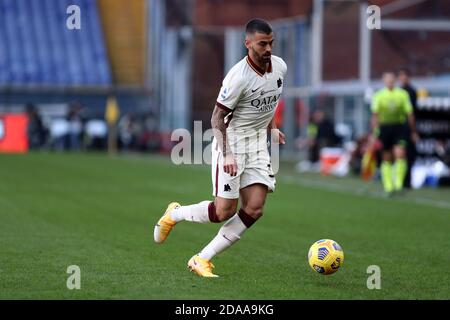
262	58
266	58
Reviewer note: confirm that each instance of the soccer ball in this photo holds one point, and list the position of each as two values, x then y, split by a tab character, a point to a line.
325	256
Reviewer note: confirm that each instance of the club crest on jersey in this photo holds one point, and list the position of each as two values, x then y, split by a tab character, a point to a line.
279	82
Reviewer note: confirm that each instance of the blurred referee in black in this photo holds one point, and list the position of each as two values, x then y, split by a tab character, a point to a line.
403	76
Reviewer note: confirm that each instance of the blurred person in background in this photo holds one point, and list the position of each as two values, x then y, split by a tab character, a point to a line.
150	137
391	110
443	154
321	134
367	156
411	153
311	133
443	151
75	125
36	132
126	132
326	136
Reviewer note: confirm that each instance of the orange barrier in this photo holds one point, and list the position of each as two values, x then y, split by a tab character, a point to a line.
329	157
13	133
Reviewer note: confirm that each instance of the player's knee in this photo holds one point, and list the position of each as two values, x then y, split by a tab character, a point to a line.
224	213
255	212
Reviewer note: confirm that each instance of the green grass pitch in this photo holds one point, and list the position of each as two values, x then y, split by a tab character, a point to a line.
98	212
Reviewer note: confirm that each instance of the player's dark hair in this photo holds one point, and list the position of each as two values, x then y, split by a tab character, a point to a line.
258	25
405	71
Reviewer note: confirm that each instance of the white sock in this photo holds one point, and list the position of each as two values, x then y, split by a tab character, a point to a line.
194	213
228	234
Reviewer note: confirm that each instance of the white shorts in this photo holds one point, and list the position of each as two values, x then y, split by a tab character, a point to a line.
254	167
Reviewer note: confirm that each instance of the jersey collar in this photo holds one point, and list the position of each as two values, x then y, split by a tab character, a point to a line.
257	69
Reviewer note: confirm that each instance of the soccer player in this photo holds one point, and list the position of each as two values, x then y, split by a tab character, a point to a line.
241	165
391	109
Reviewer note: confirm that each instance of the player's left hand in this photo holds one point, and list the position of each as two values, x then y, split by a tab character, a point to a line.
278	136
282	137
230	164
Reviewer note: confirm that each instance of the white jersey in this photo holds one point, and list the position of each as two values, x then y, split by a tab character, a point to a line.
251	96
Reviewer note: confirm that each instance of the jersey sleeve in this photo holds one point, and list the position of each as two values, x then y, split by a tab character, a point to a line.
231	90
283	68
375	107
407	103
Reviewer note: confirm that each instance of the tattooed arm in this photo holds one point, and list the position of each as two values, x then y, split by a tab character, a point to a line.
220	133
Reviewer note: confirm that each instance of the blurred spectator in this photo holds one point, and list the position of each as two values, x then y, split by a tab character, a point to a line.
127	136
443	151
59	131
75	126
150	138
357	155
36	131
139	133
321	133
404	78
411	153
311	132
366	156
96	134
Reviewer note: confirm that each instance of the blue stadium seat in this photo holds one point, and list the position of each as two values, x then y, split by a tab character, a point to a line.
4	58
14	42
36	47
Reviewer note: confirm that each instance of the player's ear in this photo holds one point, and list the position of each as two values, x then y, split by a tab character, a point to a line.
247	41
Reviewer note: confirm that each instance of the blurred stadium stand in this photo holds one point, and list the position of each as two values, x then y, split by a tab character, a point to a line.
37	50
124	25
51	66
167	58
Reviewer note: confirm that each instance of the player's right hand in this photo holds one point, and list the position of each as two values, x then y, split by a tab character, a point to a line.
230	165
